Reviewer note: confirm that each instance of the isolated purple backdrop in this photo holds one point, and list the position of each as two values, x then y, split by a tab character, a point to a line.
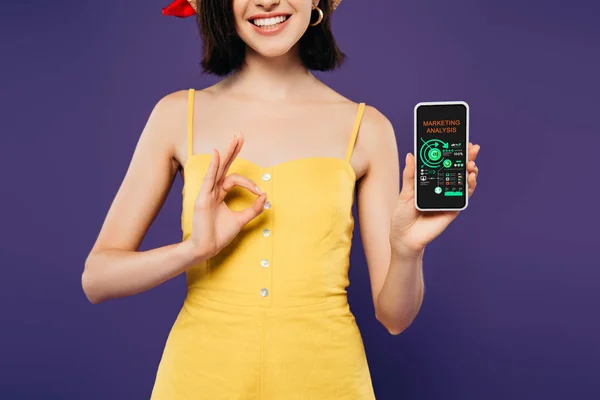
511	307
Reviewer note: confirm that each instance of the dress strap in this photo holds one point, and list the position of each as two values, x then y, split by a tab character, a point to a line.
359	114
190	128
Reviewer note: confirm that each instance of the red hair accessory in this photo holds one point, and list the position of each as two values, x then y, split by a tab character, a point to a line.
180	8
187	8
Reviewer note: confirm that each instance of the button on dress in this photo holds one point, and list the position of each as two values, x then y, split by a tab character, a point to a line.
268	317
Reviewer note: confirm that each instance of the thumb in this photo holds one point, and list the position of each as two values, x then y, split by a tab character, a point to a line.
408	176
253	211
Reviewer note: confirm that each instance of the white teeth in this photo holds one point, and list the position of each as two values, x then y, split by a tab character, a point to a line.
269	22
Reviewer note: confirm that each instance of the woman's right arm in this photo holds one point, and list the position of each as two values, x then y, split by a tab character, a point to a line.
115	268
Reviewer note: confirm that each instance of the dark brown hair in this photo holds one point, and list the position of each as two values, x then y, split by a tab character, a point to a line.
224	50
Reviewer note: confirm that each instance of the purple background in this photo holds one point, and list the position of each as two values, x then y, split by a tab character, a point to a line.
511	309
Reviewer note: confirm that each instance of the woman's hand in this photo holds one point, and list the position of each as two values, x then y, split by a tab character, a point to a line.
411	229
214	225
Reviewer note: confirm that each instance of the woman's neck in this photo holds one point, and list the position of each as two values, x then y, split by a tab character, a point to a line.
271	78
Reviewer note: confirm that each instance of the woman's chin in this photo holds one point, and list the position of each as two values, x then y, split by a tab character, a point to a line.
272	51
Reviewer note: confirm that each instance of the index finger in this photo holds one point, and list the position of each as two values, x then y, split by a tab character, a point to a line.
238	148
234	148
473	151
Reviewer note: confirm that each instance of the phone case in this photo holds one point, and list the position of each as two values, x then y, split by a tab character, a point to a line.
415	153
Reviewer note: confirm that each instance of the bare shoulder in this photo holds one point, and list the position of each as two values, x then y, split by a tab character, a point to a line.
170	105
168	122
376	135
175	110
167	112
375	125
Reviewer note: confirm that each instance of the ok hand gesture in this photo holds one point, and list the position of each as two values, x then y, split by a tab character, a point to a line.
214	224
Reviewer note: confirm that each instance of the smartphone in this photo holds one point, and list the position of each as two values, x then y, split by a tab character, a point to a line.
441	155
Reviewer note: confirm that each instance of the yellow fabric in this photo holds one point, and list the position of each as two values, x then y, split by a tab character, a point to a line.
232	339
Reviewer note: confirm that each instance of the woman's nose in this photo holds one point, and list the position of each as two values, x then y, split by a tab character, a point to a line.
268	4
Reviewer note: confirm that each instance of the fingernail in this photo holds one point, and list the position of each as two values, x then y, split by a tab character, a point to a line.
258	189
406	158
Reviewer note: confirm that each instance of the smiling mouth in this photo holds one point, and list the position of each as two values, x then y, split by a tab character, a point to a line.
271	22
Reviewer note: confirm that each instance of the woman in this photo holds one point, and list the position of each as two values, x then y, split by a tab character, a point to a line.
267	222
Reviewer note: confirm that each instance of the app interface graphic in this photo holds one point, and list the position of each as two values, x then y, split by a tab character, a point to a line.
441	145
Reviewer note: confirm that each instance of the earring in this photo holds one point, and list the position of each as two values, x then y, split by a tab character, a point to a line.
318	21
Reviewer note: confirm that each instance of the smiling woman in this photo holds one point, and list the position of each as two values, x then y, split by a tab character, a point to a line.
303	26
267	222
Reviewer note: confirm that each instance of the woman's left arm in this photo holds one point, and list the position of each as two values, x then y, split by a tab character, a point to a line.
394	233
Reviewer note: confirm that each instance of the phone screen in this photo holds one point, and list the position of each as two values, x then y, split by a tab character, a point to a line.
441	143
